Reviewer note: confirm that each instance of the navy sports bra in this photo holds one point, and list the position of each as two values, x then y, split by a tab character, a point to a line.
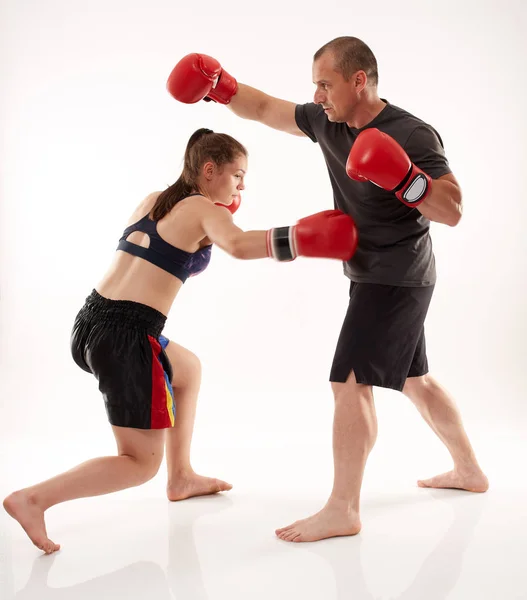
178	262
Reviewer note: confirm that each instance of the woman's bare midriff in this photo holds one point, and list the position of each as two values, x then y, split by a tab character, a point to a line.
132	278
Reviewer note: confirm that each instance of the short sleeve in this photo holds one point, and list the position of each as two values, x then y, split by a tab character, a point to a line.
425	149
305	116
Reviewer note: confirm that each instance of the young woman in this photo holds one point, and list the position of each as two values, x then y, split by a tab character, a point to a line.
150	385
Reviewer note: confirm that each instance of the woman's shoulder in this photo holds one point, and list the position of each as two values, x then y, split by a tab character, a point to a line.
143	208
196	202
193	197
147	203
150	200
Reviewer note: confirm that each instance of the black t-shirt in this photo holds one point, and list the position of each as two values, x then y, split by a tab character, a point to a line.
394	240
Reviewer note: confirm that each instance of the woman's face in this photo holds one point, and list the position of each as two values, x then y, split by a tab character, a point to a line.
226	182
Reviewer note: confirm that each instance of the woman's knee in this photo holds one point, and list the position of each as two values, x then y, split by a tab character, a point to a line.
150	464
193	365
144	447
186	366
147	465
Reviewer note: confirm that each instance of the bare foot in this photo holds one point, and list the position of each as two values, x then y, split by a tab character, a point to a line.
24	509
475	481
329	522
190	485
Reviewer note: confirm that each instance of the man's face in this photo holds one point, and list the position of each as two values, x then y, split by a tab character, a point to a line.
338	96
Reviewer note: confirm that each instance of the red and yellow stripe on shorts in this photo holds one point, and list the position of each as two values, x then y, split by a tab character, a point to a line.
163	407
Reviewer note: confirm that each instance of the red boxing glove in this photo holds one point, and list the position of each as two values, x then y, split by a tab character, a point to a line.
377	157
327	234
200	77
233	206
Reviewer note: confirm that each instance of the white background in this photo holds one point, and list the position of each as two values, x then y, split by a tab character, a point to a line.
88	129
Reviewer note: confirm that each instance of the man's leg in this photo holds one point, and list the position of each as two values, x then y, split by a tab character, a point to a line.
439	410
354	434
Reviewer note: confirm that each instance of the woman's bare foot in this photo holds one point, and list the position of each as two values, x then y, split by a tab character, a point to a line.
191	484
329	522
473	481
25	510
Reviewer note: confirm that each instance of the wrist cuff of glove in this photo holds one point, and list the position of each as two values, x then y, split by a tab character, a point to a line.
281	244
225	88
414	188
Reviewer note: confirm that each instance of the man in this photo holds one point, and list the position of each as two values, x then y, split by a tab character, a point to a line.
393	182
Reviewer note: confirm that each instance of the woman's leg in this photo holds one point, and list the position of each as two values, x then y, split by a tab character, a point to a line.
183	482
140	453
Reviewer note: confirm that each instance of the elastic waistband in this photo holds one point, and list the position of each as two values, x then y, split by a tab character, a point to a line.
125	312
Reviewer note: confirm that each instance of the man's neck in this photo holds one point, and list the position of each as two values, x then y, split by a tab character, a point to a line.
366	111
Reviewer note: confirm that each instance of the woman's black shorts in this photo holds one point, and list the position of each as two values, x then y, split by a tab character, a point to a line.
120	342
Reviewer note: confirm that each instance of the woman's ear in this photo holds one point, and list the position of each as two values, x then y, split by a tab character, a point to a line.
208	170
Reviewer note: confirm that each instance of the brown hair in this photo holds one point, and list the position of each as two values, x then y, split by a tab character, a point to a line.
351	55
203	145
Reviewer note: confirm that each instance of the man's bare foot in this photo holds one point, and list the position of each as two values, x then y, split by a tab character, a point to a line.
192	484
474	481
24	509
329	522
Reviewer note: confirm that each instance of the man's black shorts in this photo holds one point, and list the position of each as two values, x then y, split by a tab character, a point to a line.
382	339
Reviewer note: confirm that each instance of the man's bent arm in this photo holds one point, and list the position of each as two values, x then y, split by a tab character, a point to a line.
444	203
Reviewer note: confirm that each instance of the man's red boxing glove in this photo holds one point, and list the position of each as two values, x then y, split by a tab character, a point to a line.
327	234
200	77
377	157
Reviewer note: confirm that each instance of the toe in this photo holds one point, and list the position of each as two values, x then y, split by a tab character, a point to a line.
290	535
284	529
221	486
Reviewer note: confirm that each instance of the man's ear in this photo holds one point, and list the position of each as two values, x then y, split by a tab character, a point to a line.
360	80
